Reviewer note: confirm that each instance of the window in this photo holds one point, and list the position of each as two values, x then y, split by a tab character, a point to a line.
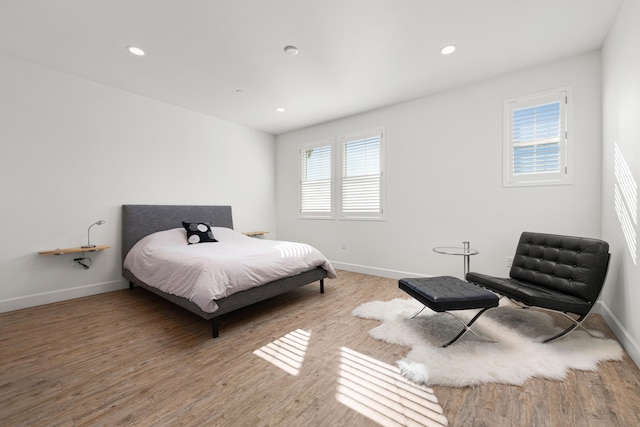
343	179
536	139
316	195
360	193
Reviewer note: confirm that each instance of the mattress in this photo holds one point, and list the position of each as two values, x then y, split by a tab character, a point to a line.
206	272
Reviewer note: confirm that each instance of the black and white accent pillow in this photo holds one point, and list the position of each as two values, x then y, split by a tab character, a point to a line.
198	232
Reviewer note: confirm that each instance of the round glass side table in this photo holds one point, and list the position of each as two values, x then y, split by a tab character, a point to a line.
465	252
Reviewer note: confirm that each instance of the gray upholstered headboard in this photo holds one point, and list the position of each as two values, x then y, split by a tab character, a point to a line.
141	220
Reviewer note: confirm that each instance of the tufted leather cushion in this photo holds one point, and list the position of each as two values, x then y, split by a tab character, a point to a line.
531	295
447	293
561	273
569	265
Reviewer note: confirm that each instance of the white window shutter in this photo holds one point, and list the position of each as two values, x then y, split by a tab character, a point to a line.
316	196
361	175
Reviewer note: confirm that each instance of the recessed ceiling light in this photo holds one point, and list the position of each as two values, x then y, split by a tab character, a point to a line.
448	50
280	109
135	51
291	50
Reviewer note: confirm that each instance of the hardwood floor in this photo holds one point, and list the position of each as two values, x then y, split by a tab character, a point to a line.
300	359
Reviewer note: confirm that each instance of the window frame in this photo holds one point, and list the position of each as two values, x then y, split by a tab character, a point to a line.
329	142
562	95
337	145
341	142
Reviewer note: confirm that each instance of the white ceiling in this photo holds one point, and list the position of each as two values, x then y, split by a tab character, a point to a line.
354	55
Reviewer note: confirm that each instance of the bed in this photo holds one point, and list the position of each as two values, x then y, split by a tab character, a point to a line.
141	223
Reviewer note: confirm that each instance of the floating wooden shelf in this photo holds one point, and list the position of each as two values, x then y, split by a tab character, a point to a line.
255	233
74	250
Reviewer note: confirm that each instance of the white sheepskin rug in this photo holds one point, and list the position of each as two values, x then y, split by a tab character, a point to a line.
516	355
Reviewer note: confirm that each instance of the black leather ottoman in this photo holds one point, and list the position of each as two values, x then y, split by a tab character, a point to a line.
447	293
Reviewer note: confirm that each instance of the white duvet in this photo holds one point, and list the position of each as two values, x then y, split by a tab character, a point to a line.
205	272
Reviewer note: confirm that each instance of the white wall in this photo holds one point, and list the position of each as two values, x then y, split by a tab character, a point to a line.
621	127
73	151
444	178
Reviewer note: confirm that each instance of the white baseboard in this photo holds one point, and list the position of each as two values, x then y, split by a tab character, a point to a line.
625	338
374	271
10	304
33	300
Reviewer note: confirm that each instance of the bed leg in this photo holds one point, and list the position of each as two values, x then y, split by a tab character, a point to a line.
214	328
130	285
322	286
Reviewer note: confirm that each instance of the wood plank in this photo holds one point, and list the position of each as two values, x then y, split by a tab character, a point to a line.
130	358
255	233
60	251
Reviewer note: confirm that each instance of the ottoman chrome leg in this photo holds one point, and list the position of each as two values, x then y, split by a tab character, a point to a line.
467	327
419	311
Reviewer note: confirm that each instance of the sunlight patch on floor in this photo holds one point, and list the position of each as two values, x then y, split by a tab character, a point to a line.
380	392
287	353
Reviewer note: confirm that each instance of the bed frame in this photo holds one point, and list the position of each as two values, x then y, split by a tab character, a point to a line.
139	221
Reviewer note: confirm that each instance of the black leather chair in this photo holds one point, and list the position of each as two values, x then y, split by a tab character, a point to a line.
553	272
